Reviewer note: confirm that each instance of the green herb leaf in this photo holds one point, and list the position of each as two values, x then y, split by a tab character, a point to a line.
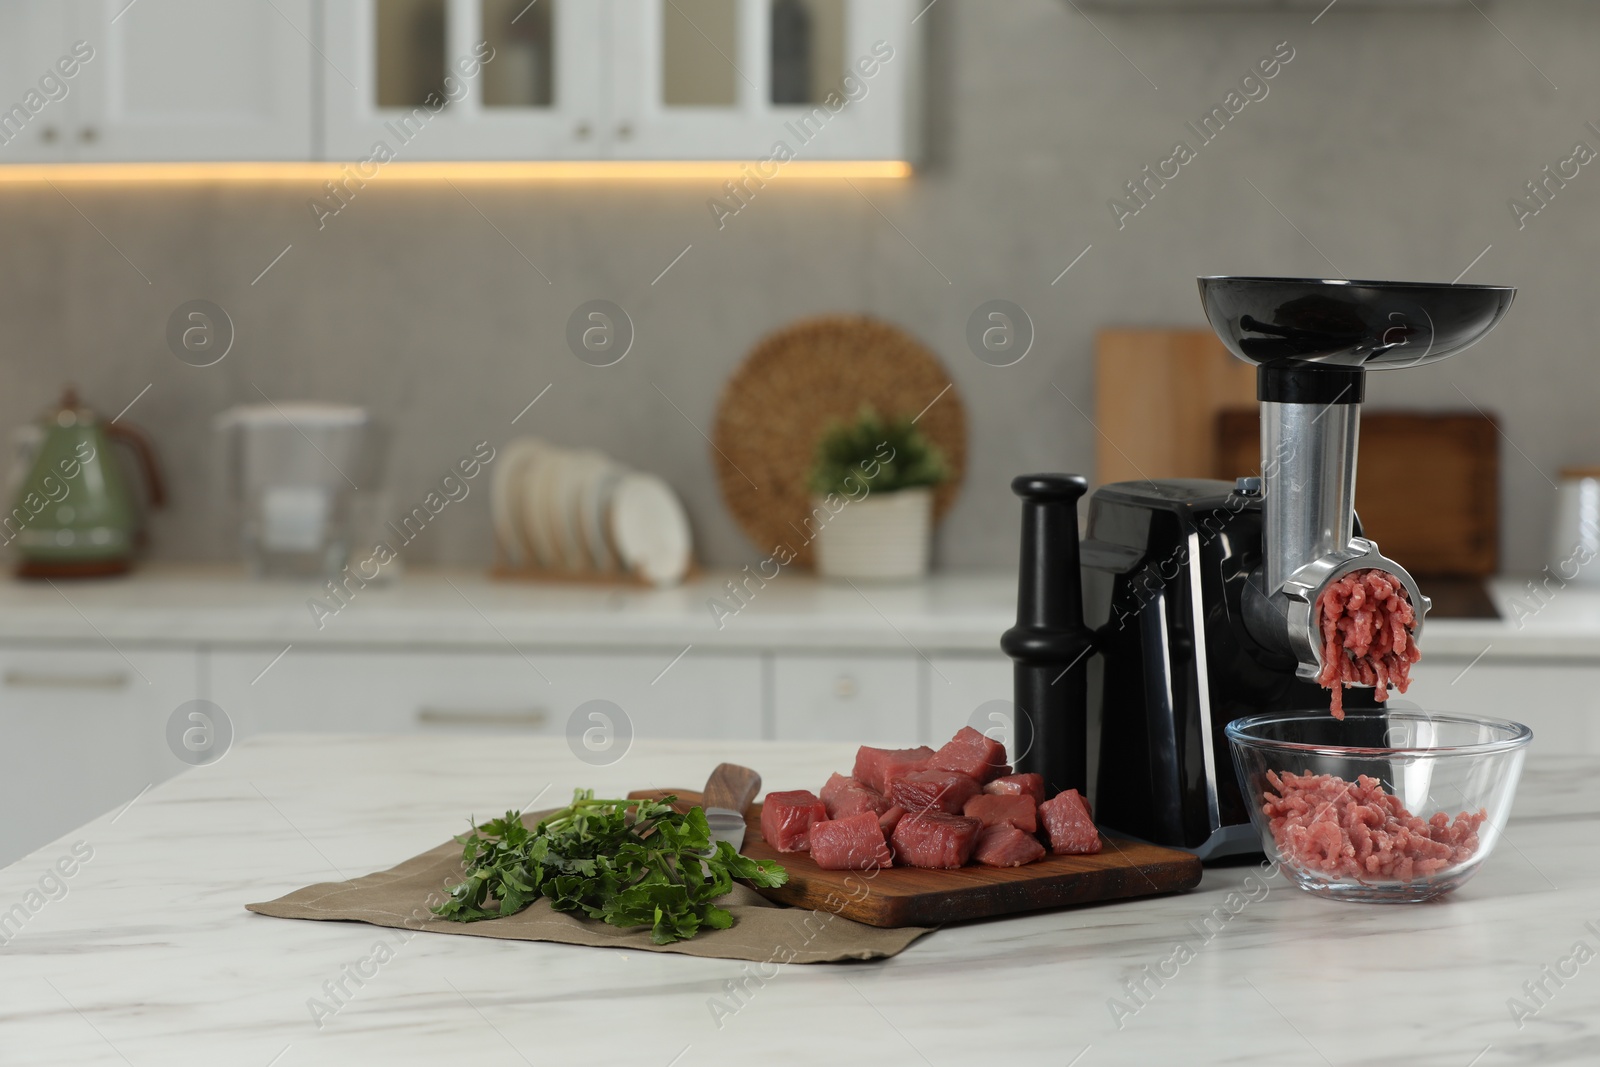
629	863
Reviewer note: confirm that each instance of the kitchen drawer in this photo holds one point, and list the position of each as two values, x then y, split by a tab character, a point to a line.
84	731
869	699
701	695
1559	701
969	691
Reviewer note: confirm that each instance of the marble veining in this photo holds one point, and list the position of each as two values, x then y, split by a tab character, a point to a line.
146	956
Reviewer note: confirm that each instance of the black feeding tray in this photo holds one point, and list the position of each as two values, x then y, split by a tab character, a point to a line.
1329	323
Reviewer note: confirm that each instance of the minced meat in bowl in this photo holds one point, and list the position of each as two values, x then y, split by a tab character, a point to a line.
1385	806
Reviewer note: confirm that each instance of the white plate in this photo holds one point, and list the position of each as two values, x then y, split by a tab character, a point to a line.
505	499
566	488
650	529
537	531
597	474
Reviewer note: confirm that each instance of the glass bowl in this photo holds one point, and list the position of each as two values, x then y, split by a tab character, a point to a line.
1386	806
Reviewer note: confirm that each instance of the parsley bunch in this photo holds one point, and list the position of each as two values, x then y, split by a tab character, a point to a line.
627	862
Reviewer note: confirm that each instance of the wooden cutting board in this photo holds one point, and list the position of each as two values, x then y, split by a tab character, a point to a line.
908	896
1427	485
1157	394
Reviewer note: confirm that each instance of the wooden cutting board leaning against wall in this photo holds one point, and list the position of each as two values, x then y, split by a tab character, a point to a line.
1427	484
1176	404
1157	395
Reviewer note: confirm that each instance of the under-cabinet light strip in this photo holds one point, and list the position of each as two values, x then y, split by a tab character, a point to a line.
546	170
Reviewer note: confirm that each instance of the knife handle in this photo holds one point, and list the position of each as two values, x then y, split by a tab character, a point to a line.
732	787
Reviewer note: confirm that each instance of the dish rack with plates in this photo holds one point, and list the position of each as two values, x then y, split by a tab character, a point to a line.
577	515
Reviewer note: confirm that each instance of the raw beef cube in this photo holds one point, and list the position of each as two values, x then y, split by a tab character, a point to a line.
853	844
1072	831
972	754
844	797
1011	785
890	819
939	841
876	766
1006	846
786	819
990	810
923	791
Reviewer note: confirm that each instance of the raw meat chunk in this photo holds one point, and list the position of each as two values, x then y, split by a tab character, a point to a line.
786	819
891	818
1020	812
876	766
1366	622
1028	785
1066	817
844	797
1327	825
852	844
924	791
972	754
1006	846
938	841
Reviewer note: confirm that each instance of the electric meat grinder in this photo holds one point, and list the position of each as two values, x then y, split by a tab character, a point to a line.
1190	602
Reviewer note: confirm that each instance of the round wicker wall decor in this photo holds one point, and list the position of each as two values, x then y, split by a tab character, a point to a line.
795	384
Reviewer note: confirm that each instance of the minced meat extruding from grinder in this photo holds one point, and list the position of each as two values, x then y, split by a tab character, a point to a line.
1366	621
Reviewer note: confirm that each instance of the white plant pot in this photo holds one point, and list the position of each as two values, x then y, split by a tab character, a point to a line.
881	537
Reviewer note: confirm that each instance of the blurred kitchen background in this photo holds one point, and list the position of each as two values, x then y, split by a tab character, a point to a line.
1393	141
980	160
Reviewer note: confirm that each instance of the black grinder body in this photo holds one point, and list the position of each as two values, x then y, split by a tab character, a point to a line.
1138	725
1165	565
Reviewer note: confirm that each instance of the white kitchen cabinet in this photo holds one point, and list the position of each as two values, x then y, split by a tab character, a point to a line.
357	691
39	104
194	80
367	82
465	79
84	730
621	79
1560	702
867	699
732	79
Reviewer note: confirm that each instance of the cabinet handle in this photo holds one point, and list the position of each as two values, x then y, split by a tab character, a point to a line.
845	687
532	718
88	135
581	131
45	680
624	131
49	134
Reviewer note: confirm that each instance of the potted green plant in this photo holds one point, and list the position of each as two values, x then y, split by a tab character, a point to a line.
872	505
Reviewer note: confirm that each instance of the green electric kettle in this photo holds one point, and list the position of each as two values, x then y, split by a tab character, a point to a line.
74	515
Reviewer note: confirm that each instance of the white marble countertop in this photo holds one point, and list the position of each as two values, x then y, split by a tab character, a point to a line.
467	609
146	956
956	613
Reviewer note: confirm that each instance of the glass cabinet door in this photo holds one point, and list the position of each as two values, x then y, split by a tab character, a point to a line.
465	79
737	79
